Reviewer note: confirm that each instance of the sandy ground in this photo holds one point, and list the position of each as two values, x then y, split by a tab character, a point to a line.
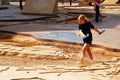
25	69
16	67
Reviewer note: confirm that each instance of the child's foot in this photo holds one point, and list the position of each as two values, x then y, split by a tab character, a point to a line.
79	61
93	61
81	64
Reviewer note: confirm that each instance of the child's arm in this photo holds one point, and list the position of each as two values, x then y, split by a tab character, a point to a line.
81	34
95	29
99	32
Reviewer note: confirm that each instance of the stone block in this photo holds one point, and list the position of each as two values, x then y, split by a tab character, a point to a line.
45	7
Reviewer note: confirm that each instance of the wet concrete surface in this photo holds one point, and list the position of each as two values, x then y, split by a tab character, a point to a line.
64	36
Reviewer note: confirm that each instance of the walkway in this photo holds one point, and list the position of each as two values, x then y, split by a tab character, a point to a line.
65	31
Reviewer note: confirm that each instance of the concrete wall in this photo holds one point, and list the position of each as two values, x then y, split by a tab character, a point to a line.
40	7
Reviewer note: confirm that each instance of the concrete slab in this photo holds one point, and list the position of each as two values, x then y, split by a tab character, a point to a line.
49	7
13	13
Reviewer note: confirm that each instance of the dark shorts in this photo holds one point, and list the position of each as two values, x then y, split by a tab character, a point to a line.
88	40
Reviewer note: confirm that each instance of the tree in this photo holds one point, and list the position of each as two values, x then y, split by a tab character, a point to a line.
7	2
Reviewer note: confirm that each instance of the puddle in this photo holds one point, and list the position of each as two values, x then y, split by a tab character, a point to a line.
64	36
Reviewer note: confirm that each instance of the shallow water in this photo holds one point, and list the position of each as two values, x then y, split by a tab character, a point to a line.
64	36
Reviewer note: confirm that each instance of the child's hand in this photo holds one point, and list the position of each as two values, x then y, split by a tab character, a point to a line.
86	36
101	31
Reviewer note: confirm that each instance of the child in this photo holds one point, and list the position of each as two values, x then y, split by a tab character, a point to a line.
85	31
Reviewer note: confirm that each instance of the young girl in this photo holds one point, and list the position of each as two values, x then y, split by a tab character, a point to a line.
85	31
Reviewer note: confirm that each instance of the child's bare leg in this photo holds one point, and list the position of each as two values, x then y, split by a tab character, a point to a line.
84	49
89	52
